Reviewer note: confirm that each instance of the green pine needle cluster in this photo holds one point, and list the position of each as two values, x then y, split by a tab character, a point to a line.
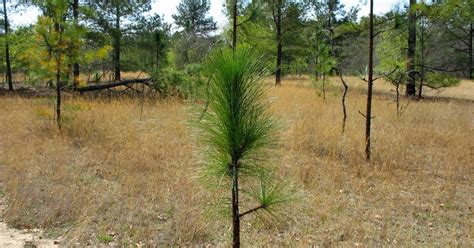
238	128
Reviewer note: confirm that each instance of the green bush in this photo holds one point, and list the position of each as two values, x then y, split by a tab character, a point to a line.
439	80
186	83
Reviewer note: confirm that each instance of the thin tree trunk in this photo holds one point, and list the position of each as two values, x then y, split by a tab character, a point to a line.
397	91
235	175
279	46
234	24
346	87
158	48
58	88
58	98
235	206
411	87
316	73
471	63
343	101
117	45
422	61
7	48
186	52
324	86
76	69
370	82
59	29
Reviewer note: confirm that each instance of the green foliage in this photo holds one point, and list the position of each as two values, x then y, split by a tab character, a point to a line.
147	46
193	42
238	127
269	194
105	14
186	83
190	49
20	40
56	44
117	19
257	35
258	30
391	52
326	62
455	39
55	37
456	12
105	238
298	66
193	17
439	80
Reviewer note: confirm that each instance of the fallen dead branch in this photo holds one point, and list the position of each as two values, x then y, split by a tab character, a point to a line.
109	85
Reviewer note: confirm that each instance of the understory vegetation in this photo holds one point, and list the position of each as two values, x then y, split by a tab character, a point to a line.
111	177
279	123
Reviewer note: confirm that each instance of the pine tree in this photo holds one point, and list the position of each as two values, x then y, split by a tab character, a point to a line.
196	24
239	131
55	35
193	17
57	39
110	17
285	20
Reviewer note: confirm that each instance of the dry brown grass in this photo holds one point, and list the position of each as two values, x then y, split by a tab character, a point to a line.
110	173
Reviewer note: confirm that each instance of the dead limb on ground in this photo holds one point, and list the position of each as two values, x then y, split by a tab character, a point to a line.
110	85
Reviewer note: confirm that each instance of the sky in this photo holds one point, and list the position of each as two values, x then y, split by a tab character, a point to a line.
167	8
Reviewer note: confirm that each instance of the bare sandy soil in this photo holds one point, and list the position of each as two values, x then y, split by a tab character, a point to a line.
17	238
10	237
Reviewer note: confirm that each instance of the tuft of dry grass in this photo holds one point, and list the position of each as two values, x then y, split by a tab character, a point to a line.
112	174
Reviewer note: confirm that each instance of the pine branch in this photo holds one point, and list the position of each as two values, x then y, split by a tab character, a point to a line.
251	210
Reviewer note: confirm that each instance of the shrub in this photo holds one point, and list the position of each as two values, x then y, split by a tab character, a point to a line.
439	80
186	83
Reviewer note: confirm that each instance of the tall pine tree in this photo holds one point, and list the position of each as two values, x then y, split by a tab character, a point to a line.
114	18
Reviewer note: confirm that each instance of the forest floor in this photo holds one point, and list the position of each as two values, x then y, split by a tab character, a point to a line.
12	238
122	175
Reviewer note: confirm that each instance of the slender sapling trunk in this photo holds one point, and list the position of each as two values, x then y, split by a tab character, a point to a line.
117	34
471	57
234	25
343	101
7	48
58	91
324	86
76	69
370	82
235	206
411	87
397	91
422	61
279	45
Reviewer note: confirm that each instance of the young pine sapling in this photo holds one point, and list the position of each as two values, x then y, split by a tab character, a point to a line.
239	133
58	42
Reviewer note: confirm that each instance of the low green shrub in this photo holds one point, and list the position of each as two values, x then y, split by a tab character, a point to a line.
439	80
186	83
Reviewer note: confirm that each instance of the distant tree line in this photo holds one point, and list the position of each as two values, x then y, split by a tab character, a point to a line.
427	43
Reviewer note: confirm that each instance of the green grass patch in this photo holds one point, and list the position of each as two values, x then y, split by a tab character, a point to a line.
105	238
